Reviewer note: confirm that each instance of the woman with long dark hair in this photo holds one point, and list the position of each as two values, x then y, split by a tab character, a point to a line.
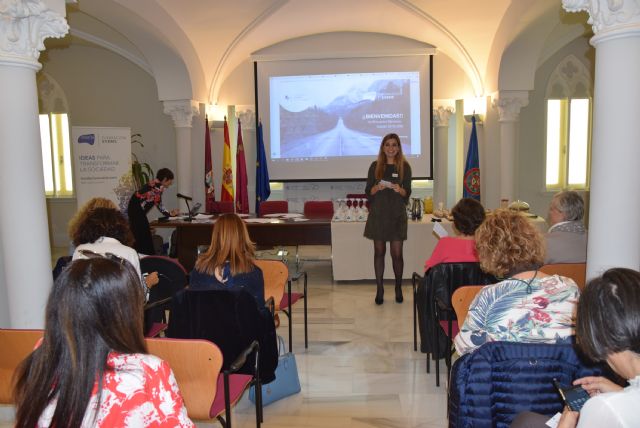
92	366
388	189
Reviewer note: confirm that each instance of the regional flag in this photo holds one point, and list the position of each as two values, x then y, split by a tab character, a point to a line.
227	172
471	182
263	190
242	197
209	188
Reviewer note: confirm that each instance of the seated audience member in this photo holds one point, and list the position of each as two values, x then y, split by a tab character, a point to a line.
567	236
92	366
527	305
607	329
228	263
468	214
82	213
105	230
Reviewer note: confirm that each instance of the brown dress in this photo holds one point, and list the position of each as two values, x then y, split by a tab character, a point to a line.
387	219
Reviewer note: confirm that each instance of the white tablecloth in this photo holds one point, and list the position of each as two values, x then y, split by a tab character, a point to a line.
352	253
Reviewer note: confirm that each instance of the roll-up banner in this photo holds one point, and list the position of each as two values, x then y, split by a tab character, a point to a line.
102	164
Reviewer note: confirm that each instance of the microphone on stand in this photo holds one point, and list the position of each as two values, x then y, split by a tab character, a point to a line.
186	200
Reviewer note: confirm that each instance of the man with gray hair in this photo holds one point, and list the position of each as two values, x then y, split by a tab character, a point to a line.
567	237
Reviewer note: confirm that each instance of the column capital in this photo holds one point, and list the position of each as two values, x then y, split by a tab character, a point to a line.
509	104
24	24
441	116
181	111
608	18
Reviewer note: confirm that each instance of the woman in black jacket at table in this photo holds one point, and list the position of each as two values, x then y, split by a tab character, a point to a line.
140	204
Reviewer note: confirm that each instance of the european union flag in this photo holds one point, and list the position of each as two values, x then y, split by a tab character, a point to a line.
471	182
262	174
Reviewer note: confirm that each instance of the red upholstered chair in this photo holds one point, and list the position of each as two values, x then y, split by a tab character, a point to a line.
273	207
207	390
16	346
222	207
318	209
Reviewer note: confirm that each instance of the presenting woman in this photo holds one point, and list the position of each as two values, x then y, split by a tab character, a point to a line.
141	203
92	368
228	263
388	189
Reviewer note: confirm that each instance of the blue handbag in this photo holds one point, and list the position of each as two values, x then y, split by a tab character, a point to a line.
286	382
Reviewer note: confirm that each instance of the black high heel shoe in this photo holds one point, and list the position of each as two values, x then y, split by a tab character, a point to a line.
379	296
399	297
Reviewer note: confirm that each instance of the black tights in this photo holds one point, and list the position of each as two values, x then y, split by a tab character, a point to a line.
379	251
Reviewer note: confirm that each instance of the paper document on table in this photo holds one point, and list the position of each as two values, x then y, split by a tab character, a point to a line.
258	220
439	230
202	216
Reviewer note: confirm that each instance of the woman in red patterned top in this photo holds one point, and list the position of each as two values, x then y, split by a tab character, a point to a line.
92	367
140	204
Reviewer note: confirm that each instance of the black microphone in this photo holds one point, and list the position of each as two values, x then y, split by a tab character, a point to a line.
180	195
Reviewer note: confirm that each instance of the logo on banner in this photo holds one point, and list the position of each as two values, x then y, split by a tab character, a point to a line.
89	139
472	181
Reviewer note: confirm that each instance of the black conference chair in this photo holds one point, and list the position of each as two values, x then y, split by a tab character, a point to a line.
172	278
232	320
439	283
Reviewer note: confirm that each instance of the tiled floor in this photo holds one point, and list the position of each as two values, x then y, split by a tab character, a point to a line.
360	369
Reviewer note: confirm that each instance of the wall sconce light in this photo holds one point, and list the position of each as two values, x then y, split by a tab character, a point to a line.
475	107
216	115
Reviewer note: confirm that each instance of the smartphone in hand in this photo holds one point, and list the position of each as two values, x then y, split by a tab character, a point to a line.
574	396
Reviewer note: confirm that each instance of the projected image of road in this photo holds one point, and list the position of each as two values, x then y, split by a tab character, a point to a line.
340	115
338	141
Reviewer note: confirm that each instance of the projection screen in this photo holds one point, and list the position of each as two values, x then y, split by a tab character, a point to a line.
324	119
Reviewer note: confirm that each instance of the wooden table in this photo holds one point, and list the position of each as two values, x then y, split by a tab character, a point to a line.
314	231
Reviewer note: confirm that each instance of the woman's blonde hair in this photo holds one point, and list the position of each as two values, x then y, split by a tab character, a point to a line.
399	161
229	242
81	215
507	243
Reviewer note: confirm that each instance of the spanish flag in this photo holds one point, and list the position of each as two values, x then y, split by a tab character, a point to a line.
227	172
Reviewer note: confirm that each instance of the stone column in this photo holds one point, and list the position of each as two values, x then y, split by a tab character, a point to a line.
509	104
441	117
24	233
614	230
182	112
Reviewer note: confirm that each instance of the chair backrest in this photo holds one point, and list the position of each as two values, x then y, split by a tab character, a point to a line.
575	271
439	283
16	345
318	209
230	319
275	275
491	385
196	365
221	207
172	276
462	298
273	207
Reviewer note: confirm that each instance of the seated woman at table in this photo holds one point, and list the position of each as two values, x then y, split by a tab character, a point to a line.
467	214
92	367
228	263
527	305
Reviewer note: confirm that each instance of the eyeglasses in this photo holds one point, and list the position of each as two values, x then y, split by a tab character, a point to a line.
110	256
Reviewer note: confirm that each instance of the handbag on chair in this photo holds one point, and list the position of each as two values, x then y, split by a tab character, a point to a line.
286	383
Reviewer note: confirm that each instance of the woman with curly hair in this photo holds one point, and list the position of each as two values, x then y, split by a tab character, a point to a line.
527	305
84	211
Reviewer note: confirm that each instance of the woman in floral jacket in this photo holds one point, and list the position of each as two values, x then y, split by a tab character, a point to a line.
527	305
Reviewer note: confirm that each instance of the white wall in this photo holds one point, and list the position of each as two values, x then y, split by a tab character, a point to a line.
531	148
104	89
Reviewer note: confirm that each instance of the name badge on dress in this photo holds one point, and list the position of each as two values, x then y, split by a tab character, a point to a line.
394	175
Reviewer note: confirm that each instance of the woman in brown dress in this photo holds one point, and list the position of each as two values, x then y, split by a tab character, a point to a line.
388	189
